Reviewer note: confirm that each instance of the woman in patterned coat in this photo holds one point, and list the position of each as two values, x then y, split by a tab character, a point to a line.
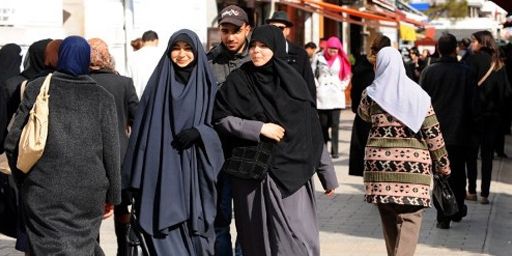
404	146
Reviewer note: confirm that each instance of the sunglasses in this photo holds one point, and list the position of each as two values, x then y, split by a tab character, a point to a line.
280	27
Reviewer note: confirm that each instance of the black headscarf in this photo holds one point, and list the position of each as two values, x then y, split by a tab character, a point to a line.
35	59
10	61
277	93
74	56
175	187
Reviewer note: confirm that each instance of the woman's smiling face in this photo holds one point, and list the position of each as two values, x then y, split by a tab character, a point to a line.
182	54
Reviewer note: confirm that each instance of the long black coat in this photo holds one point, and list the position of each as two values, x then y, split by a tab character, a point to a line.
299	60
452	88
362	77
65	192
126	100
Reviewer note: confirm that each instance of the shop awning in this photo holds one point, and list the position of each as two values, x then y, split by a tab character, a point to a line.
407	32
335	12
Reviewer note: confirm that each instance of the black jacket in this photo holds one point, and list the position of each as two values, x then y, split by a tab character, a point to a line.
224	62
126	100
452	87
495	91
299	60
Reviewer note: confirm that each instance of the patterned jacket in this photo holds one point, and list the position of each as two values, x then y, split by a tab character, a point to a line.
399	162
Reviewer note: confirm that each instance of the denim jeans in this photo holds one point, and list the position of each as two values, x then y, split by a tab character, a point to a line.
223	246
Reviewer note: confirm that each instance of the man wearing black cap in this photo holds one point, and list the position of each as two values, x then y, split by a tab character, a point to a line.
229	55
232	52
297	56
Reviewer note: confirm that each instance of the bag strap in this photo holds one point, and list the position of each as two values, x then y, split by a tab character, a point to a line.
22	88
46	85
22	91
482	80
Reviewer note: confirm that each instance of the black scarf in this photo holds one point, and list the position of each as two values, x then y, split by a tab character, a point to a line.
36	59
10	61
277	93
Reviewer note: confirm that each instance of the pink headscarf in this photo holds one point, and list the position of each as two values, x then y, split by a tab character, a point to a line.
346	69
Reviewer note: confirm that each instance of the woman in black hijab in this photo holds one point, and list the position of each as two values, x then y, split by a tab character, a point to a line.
9	102
174	154
275	213
10	61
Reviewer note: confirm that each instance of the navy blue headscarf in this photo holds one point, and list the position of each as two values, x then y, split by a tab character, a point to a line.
74	56
175	187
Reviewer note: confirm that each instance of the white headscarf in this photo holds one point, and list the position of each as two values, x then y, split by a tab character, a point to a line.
398	95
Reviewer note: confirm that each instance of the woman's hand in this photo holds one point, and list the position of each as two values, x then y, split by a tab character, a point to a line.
272	131
108	210
329	193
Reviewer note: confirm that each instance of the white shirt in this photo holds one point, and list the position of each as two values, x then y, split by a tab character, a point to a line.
141	66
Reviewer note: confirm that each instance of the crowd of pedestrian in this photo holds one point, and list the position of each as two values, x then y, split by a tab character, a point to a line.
190	137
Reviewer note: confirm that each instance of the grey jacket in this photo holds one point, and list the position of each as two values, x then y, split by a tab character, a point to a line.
224	62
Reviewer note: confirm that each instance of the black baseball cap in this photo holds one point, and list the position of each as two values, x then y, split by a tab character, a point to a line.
234	15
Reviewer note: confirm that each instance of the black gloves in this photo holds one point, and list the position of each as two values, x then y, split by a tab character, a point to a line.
186	138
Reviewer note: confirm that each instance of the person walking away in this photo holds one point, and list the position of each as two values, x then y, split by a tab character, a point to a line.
229	55
10	61
144	61
362	76
452	86
405	143
297	57
275	212
333	71
174	154
102	70
492	92
310	50
12	98
65	193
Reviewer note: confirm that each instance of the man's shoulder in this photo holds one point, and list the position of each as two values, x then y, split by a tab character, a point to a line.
216	53
295	48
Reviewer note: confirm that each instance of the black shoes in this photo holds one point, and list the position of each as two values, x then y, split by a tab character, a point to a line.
461	214
443	224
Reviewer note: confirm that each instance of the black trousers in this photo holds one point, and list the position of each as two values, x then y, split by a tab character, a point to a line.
487	127
457	179
330	119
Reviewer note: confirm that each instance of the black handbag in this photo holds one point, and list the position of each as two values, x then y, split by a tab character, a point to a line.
250	162
135	241
444	196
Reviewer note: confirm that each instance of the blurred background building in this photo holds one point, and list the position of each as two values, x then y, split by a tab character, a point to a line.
356	22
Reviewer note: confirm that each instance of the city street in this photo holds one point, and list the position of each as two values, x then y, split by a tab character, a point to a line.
349	226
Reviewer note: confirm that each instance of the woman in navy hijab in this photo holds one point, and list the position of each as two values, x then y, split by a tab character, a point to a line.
174	154
64	194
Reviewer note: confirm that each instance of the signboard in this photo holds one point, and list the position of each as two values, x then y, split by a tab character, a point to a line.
21	13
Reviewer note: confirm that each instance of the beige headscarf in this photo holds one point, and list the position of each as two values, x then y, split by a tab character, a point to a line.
100	56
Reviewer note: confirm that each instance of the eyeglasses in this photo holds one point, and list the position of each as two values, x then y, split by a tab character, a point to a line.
280	27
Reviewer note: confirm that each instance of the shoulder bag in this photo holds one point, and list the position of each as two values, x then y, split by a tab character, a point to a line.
34	133
444	196
250	162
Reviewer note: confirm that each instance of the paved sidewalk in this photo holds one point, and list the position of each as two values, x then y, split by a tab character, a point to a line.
350	226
